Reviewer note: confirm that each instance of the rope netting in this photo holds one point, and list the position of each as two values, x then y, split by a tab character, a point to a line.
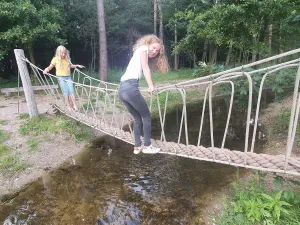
100	108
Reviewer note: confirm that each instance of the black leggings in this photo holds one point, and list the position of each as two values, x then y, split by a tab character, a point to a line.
131	96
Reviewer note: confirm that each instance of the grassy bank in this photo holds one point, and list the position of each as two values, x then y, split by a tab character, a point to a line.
9	161
37	131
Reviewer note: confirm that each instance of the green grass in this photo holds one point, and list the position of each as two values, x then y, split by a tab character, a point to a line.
3	136
24	116
32	144
3	122
4	149
57	124
172	77
173	101
9	162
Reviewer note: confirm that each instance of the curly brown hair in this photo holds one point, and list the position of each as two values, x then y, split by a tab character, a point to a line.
159	63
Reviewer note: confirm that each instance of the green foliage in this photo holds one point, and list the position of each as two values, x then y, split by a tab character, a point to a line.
252	202
275	205
237	24
280	80
277	81
25	22
282	121
204	69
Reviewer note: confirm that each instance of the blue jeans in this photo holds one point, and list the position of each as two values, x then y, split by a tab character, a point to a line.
66	85
130	95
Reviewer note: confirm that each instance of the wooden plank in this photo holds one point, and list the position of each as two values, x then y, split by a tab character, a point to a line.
35	88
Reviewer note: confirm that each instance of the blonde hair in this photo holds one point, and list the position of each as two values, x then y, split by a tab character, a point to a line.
159	62
60	49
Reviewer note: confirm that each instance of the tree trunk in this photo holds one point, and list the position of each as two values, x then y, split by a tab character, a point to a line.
240	57
102	41
270	36
280	40
254	53
194	59
204	55
213	56
93	52
176	56
228	55
210	50
155	17
31	57
161	26
131	43
245	55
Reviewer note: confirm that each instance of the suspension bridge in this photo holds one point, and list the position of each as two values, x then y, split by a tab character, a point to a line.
101	109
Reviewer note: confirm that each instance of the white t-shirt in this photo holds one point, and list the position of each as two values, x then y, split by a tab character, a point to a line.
134	68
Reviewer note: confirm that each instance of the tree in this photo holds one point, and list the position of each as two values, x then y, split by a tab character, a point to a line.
161	24
81	28
125	24
22	23
155	16
102	41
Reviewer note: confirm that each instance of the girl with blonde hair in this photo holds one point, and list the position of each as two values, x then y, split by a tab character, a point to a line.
148	53
61	62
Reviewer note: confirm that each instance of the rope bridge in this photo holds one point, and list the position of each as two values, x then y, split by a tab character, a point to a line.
100	108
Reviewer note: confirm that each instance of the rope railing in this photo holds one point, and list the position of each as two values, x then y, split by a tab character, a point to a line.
100	108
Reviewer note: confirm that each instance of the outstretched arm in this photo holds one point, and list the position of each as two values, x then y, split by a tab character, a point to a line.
76	65
47	69
146	70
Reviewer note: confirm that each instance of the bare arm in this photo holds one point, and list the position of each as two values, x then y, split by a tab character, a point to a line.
47	69
146	70
75	65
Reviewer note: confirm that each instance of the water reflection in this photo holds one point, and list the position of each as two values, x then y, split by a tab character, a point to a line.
110	185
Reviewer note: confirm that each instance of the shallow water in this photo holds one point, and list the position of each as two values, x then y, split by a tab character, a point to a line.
108	184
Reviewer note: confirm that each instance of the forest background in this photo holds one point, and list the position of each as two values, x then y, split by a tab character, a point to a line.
223	32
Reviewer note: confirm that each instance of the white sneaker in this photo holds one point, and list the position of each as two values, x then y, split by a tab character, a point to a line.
150	149
137	150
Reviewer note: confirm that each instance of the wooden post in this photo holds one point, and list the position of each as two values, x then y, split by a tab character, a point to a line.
30	99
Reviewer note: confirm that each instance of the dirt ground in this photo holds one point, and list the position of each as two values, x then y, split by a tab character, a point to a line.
49	155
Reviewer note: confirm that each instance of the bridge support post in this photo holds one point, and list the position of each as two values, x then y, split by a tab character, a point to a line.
27	86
